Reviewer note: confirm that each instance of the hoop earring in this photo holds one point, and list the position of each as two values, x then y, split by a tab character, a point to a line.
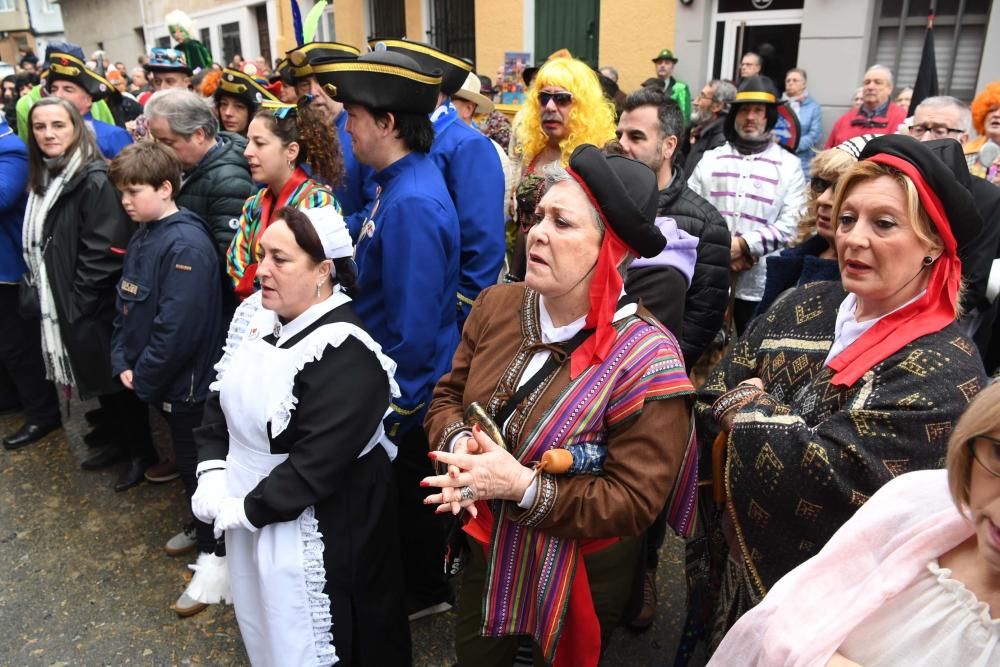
928	260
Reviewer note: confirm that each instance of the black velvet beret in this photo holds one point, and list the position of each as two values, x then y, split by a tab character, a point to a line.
454	71
625	192
380	80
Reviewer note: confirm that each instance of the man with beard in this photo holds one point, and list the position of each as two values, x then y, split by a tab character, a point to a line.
707	119
758	188
876	115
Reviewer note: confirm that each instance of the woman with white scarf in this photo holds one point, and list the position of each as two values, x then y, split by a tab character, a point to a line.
75	233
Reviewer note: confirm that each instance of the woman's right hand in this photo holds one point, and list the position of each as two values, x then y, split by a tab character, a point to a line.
212	488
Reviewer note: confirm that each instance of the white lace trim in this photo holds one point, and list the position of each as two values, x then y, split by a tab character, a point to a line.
311	349
315	576
963	595
238	329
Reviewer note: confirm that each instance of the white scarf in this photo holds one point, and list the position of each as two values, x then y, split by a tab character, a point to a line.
57	367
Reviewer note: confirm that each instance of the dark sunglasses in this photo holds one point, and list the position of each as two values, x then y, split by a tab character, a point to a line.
561	99
820	185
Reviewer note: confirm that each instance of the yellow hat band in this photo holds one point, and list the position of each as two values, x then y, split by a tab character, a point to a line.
426	50
749	96
354	66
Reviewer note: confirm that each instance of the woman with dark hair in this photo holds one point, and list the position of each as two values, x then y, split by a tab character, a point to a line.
303	492
75	233
282	141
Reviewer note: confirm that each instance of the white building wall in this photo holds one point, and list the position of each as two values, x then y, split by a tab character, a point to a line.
46	17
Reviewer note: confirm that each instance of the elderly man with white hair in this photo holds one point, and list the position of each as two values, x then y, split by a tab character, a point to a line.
876	115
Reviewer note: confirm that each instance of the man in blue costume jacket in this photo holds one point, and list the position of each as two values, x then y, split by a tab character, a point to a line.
67	77
473	172
407	252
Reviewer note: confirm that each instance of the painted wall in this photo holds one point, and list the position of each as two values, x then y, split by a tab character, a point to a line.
111	22
415	28
350	22
15	20
631	33
499	28
46	17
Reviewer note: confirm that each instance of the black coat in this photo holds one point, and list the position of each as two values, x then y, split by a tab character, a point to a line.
217	188
85	236
711	137
708	296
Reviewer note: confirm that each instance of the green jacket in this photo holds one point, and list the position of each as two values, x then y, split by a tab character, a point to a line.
99	111
680	93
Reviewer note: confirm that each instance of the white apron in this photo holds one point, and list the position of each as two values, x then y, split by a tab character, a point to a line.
277	574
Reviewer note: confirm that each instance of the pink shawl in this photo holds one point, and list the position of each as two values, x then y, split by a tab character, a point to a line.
807	615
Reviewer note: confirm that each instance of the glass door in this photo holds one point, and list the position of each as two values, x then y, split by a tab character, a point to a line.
774	35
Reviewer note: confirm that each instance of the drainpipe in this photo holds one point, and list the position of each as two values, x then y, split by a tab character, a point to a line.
145	32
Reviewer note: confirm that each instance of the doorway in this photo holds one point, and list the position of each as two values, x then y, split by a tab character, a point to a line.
774	35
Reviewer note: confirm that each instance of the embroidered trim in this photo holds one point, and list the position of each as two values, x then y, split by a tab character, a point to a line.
545	500
733	400
312	348
403	411
315	575
239	328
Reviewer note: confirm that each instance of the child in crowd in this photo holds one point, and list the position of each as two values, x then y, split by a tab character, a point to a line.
168	333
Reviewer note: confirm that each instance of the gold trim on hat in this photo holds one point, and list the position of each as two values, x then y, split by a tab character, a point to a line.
377	68
235	88
65	71
426	50
754	96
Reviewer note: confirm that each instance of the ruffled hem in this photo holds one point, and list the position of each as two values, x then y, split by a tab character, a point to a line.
239	326
963	595
311	349
315	576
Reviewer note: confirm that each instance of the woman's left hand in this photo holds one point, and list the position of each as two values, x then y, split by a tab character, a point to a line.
491	474
231	515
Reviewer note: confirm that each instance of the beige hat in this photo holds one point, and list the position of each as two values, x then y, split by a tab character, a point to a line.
470	92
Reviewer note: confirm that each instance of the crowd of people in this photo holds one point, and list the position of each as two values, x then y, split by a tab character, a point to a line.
390	327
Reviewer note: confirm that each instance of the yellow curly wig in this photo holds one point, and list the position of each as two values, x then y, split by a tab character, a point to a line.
988	99
591	118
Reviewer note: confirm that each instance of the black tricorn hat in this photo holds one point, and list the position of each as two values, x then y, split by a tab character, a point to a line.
283	72
66	67
244	88
754	90
624	190
934	162
380	80
301	59
454	71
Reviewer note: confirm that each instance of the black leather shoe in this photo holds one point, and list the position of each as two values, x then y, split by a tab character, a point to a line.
103	459
101	436
133	474
28	434
94	417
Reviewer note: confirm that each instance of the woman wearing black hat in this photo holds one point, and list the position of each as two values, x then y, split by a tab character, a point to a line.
237	99
585	376
838	388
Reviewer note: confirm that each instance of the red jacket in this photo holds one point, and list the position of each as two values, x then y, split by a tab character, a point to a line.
854	124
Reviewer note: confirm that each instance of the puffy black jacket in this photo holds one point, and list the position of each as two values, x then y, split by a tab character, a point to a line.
708	296
169	329
711	137
85	235
216	189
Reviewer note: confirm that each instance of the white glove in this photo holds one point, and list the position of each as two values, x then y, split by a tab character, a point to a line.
231	516
212	488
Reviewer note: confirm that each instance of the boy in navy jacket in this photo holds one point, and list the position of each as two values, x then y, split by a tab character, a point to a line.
169	331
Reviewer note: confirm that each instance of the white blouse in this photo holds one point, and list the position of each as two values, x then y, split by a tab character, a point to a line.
936	622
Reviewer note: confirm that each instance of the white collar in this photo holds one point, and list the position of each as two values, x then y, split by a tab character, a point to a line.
848	329
285	331
554	334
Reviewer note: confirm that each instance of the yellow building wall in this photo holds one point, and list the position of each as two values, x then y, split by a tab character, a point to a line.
631	33
350	22
499	28
414	22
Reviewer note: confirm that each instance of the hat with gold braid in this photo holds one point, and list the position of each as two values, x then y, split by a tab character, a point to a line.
301	58
453	70
244	88
380	80
66	67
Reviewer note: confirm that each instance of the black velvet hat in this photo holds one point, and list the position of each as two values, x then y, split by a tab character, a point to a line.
303	57
243	88
625	192
931	161
754	90
453	70
66	67
380	80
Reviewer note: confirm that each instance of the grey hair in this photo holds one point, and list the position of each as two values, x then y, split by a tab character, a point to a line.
883	68
949	102
186	112
612	70
725	92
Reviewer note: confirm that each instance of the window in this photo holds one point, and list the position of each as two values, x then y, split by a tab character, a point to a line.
205	36
8	5
161	42
388	19
454	27
959	37
229	37
48	7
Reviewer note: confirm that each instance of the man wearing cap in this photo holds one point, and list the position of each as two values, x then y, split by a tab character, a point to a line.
67	77
756	185
676	90
357	191
167	68
237	99
471	169
876	115
407	252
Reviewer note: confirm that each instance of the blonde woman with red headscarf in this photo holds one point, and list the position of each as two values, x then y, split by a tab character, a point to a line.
839	387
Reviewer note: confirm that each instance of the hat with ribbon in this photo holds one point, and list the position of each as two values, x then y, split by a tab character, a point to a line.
167	60
754	90
470	92
624	193
302	58
66	67
381	79
454	70
243	88
952	211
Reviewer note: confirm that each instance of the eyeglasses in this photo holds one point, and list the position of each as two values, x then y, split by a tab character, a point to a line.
939	131
820	185
986	450
561	99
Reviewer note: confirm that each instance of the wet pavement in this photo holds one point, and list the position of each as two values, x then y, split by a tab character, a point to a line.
84	579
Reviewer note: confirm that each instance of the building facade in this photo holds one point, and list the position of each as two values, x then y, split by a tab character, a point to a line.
30	23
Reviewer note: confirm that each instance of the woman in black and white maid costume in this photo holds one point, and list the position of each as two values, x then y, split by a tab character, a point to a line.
294	466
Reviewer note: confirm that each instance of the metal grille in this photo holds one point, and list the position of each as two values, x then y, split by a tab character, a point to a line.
453	27
388	19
